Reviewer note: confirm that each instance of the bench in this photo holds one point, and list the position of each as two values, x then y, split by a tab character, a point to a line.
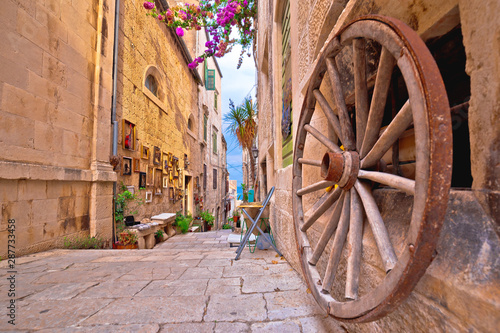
146	231
165	221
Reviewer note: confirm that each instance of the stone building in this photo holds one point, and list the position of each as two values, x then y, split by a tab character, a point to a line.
55	108
460	289
73	125
212	142
159	123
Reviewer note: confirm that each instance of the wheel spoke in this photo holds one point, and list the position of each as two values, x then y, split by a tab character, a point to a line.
323	139
338	245
398	182
359	58
379	230
330	115
338	94
354	247
376	114
309	162
397	126
315	187
320	207
328	231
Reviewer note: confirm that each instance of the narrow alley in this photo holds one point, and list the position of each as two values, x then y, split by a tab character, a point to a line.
189	283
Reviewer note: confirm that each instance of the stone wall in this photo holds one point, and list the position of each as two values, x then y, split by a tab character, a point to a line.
459	292
147	46
56	63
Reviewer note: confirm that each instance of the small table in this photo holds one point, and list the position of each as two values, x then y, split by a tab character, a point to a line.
252	209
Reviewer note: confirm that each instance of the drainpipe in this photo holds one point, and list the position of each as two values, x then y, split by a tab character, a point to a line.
113	99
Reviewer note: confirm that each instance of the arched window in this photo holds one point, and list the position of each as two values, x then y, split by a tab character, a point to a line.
190	124
152	84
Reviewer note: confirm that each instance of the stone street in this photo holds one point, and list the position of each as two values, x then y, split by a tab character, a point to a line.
190	283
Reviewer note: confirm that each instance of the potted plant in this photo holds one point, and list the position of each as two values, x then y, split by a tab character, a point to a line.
128	240
159	236
236	218
208	218
182	222
122	202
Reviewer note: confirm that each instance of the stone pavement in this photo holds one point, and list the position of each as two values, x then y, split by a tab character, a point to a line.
190	283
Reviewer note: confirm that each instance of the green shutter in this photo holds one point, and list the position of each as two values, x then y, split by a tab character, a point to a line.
210	82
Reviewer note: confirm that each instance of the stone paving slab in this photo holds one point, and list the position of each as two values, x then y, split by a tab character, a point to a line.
179	286
236	307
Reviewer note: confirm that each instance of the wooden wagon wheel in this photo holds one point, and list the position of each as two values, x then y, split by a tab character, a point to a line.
356	168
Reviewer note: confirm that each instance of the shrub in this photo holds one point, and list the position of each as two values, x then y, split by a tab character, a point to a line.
86	242
226	226
208	217
183	221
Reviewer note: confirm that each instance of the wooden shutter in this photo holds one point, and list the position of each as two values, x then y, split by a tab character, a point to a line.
210	82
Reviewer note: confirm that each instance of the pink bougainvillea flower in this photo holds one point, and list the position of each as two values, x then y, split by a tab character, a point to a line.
179	31
148	5
160	17
193	65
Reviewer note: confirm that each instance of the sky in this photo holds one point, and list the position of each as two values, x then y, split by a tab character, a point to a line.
236	85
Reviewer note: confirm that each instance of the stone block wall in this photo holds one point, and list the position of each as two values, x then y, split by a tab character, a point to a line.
54	120
459	292
161	121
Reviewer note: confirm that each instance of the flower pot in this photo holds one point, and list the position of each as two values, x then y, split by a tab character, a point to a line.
236	221
120	246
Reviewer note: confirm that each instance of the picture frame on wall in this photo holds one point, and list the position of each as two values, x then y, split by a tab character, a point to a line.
166	162
149	176
142	180
126	166
131	189
156	156
137	165
144	152
158	181
128	135
149	197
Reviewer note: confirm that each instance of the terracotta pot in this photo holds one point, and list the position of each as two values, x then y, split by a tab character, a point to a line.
120	246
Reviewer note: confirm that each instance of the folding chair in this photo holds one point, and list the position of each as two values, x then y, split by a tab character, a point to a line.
255	225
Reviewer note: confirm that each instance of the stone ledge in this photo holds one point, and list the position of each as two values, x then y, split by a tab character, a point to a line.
20	170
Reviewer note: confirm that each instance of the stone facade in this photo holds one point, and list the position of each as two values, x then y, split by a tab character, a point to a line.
55	98
458	276
213	144
164	119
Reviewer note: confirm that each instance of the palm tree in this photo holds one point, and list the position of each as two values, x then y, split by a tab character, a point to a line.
241	121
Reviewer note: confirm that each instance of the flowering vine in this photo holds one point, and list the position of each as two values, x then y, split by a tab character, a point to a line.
219	17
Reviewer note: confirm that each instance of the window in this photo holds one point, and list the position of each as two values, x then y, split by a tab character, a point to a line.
216	96
205	129
209	77
210	82
204	176
152	84
190	124
214	140
215	179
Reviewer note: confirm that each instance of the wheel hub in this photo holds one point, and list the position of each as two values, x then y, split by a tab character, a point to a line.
341	168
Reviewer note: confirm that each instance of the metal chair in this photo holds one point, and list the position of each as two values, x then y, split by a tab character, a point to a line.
255	225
